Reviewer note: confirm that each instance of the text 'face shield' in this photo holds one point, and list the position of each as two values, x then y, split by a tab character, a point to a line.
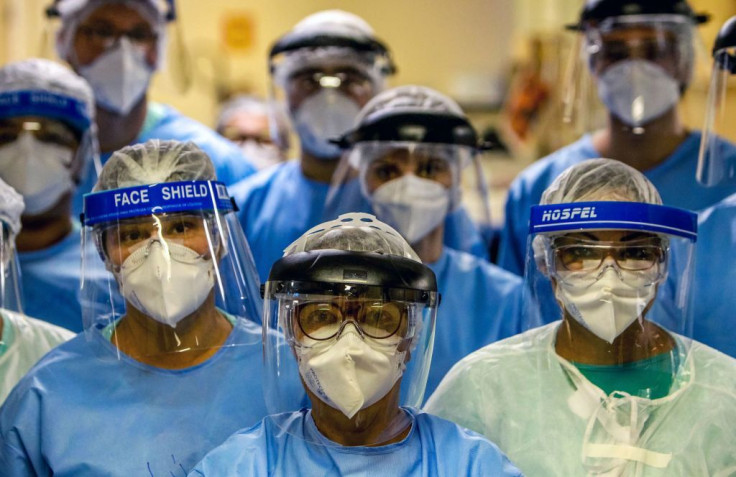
180	275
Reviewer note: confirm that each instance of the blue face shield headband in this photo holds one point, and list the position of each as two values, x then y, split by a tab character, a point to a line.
577	216
166	197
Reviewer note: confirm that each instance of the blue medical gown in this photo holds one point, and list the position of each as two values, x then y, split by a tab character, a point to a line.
83	411
279	204
674	179
51	280
164	122
290	444
481	304
714	292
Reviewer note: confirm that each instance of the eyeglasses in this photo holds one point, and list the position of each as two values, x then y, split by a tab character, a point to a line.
350	81
324	320
589	257
105	36
43	129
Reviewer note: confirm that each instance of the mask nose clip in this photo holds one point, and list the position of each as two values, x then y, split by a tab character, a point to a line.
343	331
609	264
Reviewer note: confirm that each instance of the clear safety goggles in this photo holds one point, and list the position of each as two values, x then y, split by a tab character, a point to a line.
576	259
43	129
103	35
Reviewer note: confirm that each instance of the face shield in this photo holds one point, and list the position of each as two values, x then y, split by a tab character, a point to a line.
357	327
640	65
601	268
175	273
11	295
323	88
717	162
412	166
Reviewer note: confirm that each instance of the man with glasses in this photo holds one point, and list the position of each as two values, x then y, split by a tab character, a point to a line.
640	55
351	309
614	385
117	46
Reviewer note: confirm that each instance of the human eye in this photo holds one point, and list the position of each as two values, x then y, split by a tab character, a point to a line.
579	258
386	171
141	35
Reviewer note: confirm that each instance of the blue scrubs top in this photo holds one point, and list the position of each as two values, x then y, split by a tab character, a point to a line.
51	281
164	122
714	300
84	409
279	204
291	444
674	179
481	303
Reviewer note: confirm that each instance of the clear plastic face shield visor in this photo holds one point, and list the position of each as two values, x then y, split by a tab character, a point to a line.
414	186
635	67
11	295
162	35
602	267
322	90
361	351
174	275
717	162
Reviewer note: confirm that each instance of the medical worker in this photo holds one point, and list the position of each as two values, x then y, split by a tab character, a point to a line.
47	138
247	120
323	72
357	309
150	386
23	340
413	182
715	270
640	54
609	389
117	46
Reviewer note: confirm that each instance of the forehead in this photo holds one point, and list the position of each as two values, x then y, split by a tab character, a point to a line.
117	14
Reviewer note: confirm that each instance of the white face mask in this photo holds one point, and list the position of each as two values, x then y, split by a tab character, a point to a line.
39	171
351	373
261	155
638	91
609	305
323	116
412	205
119	77
166	285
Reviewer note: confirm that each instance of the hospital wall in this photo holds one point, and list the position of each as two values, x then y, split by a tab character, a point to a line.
465	48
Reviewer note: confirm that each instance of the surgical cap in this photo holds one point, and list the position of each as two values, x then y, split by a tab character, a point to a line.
153	162
241	104
38	87
346	39
44	76
601	180
409	99
11	207
73	12
354	232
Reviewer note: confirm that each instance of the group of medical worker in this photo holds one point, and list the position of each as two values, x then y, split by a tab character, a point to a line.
602	347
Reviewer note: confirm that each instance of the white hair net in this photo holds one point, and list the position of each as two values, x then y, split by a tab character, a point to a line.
45	76
601	180
153	162
339	24
409	99
11	207
73	12
354	232
605	180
